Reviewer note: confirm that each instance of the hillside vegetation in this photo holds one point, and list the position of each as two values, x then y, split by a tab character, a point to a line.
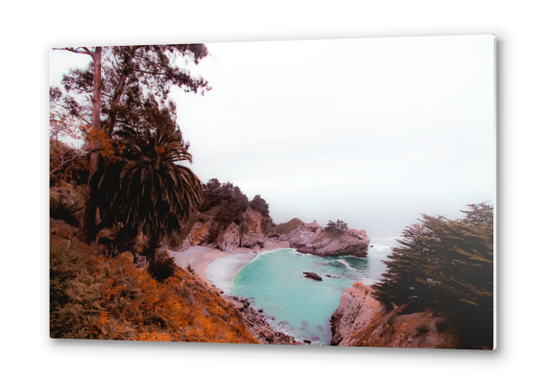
93	297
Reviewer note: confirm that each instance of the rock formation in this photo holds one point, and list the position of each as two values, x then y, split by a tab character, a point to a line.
209	232
360	320
260	329
312	275
65	192
312	238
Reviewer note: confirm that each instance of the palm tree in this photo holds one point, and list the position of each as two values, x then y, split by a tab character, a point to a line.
144	188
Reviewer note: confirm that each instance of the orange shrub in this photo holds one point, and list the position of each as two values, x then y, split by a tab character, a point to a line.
93	297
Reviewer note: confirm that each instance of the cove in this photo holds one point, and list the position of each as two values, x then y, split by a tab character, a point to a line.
293	304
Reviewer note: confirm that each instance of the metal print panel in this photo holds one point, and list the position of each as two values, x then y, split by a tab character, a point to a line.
308	193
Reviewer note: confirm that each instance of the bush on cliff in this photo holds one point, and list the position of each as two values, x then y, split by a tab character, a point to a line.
162	266
336	228
446	266
227	202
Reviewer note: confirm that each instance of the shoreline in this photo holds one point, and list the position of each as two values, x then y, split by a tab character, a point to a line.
199	257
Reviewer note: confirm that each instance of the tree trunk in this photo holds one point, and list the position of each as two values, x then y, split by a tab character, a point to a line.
88	219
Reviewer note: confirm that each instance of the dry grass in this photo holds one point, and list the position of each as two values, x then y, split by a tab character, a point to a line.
93	297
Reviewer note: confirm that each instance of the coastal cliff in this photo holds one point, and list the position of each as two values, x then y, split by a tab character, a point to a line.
362	321
312	238
208	231
253	230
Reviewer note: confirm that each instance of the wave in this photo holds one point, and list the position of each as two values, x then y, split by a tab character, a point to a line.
342	261
222	271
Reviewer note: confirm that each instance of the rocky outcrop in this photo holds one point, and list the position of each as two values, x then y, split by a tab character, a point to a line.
252	233
229	238
209	232
302	235
198	235
64	192
361	320
312	238
260	329
312	275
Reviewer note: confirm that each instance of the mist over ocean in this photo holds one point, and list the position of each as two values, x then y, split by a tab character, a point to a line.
383	216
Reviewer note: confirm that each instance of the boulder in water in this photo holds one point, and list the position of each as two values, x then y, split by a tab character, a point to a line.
312	275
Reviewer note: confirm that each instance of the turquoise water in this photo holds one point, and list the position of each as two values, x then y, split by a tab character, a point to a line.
274	282
292	303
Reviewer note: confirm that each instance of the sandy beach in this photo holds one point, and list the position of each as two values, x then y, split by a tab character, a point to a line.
199	257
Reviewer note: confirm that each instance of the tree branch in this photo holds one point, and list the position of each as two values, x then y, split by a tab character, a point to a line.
76	50
150	73
64	162
70	110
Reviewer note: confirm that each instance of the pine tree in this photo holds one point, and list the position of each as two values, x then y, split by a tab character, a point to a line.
260	205
446	266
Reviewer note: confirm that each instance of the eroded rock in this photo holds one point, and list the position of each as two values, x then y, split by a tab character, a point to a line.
361	320
312	238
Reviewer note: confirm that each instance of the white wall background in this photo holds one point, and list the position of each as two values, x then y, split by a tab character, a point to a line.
29	30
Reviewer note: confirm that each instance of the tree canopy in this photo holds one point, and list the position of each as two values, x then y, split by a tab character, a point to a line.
145	188
226	200
446	266
124	87
135	81
259	204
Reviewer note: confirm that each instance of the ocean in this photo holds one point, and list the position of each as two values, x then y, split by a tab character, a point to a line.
299	306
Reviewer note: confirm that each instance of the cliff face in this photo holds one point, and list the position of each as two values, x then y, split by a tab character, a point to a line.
209	232
362	321
312	238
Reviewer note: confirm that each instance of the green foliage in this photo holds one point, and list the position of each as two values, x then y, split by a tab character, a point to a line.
144	188
446	266
226	212
59	209
260	205
336	228
224	201
162	266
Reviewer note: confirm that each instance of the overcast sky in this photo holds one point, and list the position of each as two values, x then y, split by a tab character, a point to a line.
341	117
